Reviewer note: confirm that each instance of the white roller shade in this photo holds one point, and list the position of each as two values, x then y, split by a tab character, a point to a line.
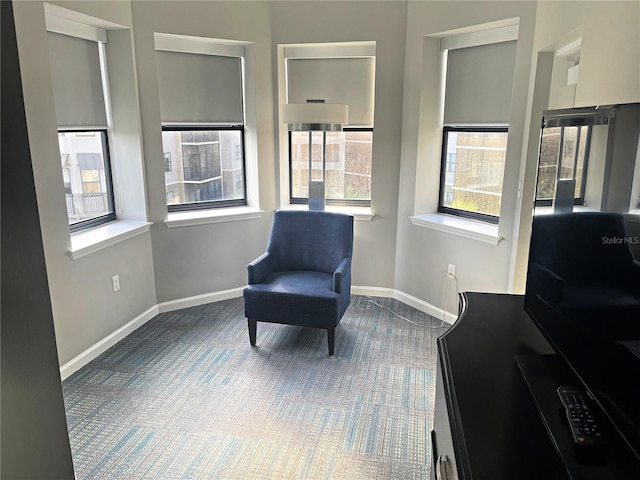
479	82
77	81
197	88
347	81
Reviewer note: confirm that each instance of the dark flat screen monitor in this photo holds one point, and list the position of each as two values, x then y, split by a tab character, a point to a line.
583	279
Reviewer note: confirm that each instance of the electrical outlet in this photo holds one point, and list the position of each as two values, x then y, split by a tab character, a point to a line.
115	280
451	271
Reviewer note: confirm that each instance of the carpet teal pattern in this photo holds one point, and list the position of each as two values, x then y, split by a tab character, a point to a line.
186	397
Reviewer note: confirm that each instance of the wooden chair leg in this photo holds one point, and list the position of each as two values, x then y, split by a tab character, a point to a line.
331	337
252	331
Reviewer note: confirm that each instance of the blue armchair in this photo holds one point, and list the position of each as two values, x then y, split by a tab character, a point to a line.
304	277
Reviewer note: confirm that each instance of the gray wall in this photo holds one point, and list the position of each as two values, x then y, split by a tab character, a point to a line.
34	440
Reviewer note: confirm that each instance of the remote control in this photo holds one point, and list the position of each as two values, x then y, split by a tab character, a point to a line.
579	410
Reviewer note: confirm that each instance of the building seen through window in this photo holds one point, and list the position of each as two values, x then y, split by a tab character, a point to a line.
348	165
473	168
86	175
207	167
564	153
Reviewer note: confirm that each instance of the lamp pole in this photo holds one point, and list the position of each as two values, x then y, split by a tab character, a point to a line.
317	193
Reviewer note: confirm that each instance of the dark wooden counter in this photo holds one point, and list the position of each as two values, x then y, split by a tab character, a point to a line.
494	429
497	415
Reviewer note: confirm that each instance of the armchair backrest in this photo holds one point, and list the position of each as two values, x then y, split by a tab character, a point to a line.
311	240
581	246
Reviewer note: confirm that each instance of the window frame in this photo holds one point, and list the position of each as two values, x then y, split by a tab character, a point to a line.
547	202
106	160
211	204
483	217
343	202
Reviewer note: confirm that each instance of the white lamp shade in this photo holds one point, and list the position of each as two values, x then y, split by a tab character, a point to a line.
315	116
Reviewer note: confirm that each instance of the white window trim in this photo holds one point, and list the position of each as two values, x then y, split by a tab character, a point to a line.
331	50
463	227
481	37
86	242
202	45
72	28
211	215
364	214
479	34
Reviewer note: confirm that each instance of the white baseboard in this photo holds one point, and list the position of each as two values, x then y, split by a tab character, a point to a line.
425	307
103	345
405	298
373	291
200	299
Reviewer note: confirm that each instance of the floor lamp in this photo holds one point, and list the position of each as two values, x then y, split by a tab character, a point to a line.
315	116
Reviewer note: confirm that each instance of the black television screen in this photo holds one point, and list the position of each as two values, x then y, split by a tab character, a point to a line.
583	278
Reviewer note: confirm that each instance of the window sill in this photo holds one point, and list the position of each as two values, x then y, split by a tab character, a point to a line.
358	213
463	227
203	217
89	241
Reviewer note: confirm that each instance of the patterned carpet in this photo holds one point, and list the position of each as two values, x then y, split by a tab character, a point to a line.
186	397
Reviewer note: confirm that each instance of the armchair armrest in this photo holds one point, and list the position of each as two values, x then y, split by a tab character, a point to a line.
260	268
546	283
342	277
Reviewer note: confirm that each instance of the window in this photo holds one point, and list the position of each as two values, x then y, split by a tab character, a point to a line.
474	142
472	170
564	154
343	74
86	177
202	108
348	165
66	176
209	167
167	162
81	114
